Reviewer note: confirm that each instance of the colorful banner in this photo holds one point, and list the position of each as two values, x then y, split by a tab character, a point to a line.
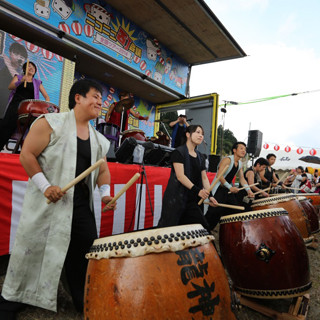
131	212
99	25
14	52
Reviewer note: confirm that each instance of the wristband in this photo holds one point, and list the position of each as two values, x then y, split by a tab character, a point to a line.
41	181
246	187
195	189
227	185
104	190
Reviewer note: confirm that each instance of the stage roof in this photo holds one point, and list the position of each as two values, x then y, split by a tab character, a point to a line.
187	27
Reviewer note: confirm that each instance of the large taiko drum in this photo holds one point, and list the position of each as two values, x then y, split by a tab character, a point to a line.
290	203
35	108
264	254
167	273
134	133
315	199
311	213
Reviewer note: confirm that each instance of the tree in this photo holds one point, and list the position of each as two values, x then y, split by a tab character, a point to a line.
228	140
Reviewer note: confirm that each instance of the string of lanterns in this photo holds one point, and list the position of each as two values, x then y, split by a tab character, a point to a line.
288	149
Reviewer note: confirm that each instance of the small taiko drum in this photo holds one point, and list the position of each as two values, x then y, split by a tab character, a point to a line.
311	213
35	108
264	254
166	273
134	133
315	199
290	203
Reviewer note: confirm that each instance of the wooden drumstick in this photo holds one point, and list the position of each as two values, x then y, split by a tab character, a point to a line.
150	111
215	181
81	176
283	177
26	72
227	206
286	187
123	190
264	190
251	185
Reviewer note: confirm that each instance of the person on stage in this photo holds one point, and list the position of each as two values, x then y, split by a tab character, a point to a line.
188	183
268	177
114	117
252	176
179	130
58	147
18	93
222	188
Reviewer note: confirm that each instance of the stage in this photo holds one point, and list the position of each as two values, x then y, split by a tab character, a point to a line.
127	217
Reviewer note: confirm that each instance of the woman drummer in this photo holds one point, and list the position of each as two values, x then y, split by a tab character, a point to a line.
188	183
19	92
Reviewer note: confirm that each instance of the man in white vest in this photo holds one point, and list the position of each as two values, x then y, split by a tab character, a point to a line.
52	236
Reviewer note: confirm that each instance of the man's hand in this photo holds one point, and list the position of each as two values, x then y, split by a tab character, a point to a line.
106	200
203	194
250	194
234	190
213	202
54	193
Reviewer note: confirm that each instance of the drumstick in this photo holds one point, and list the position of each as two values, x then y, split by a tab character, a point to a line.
81	176
251	185
150	111
282	177
266	189
227	206
26	72
286	187
123	190
215	181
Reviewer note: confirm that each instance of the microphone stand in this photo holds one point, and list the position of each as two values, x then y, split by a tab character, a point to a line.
143	175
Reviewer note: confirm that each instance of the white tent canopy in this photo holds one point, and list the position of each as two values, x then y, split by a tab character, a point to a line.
288	160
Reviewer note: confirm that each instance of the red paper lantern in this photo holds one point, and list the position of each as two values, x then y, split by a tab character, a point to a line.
64	27
112	90
312	152
266	146
88	30
109	97
15	38
32	47
287	149
299	150
276	147
47	54
136	59
148	73
143	65
76	28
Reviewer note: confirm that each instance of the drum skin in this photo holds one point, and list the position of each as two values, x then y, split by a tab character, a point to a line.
290	203
137	134
183	284
311	213
264	254
35	108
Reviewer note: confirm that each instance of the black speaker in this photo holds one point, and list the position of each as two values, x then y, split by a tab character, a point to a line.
125	152
254	144
213	162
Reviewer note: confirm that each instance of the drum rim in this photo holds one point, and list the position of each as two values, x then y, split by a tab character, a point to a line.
252	215
272	200
275	294
286	196
38	100
158	240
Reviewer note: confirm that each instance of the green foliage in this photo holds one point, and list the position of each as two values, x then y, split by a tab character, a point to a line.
228	140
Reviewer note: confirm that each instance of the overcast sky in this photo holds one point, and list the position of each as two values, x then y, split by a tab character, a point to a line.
281	39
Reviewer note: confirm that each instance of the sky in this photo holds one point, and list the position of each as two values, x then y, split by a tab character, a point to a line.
282	41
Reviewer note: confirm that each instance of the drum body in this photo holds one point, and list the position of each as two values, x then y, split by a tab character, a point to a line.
162	139
167	273
315	199
311	213
35	108
136	133
290	203
264	254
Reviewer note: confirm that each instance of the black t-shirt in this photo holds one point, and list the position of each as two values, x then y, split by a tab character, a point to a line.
181	132
196	167
81	191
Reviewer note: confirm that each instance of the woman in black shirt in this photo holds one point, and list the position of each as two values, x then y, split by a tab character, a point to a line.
188	183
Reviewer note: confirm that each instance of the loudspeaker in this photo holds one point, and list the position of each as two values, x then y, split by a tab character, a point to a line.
125	152
213	162
254	144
